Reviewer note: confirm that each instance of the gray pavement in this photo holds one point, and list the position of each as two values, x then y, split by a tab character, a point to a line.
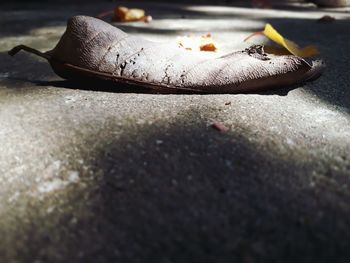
89	173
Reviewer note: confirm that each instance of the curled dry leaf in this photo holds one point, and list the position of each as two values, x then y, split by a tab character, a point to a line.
289	45
92	50
195	43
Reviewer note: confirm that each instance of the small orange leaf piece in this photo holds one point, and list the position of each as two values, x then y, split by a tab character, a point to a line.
207	43
292	47
195	43
208	47
124	14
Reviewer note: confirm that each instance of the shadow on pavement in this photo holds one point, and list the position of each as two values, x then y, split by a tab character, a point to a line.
159	197
176	201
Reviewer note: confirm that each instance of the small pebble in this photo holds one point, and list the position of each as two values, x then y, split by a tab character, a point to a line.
219	126
148	19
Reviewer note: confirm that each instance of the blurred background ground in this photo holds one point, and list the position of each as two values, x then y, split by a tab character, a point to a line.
92	174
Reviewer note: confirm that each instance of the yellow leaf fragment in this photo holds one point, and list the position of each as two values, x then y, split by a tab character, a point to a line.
289	45
124	14
292	47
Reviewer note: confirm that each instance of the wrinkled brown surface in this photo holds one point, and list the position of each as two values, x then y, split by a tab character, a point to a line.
91	47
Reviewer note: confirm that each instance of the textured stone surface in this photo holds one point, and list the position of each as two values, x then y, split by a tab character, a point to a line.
92	174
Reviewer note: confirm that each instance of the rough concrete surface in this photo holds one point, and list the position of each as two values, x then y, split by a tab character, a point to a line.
93	174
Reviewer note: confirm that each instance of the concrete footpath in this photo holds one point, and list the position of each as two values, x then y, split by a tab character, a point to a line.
93	174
